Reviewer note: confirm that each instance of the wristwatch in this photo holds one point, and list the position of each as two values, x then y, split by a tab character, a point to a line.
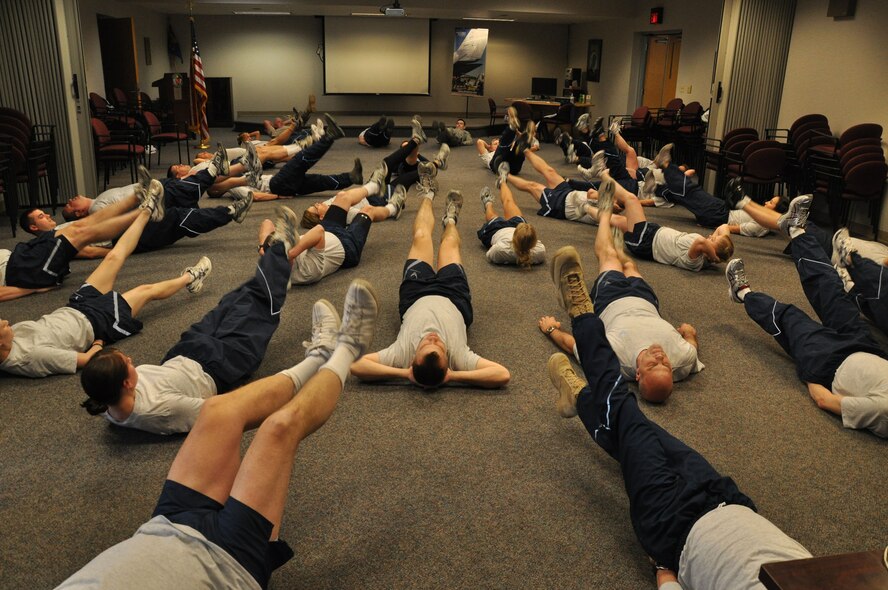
550	329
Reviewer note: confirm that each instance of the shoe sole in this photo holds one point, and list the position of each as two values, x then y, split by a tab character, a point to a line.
565	403
364	284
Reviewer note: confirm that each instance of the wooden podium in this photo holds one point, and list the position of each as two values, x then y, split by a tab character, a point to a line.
175	97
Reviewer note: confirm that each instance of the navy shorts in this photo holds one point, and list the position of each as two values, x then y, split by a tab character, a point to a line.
420	280
640	241
552	201
612	285
109	313
485	234
40	262
352	235
235	527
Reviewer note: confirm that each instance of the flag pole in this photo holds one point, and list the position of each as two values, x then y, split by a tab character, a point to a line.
198	91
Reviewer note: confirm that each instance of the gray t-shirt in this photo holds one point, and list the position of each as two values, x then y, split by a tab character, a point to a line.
437	314
49	346
353	210
500	251
633	324
863	379
168	397
748	226
163	555
314	264
727	546
461	135
111	196
4	259
671	247
574	208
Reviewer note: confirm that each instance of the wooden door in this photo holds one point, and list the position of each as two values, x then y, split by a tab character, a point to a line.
661	70
117	39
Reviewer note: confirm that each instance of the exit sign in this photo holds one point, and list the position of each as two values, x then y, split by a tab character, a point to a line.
657	16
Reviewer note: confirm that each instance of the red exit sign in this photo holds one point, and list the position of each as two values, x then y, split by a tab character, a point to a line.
657	15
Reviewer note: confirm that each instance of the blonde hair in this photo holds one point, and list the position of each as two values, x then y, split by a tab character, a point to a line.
724	248
523	241
310	218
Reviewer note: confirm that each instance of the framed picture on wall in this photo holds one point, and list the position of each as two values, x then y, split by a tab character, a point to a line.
593	61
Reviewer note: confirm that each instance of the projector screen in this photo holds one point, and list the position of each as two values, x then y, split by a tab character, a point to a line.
382	55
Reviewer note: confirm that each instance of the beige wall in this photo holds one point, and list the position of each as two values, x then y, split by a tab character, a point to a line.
697	20
274	66
838	68
146	24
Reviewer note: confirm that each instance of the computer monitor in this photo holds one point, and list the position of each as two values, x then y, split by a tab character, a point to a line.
544	87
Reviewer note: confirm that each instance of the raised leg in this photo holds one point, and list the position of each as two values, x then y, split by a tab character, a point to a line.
103	277
510	207
423	225
552	177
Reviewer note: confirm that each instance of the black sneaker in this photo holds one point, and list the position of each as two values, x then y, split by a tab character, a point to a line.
333	131
356	176
733	192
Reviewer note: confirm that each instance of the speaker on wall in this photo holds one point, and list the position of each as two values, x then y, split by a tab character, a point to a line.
841	8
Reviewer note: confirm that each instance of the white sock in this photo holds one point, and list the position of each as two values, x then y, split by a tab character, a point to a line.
795	232
742	293
743	202
372	188
425	195
293	149
449	220
390	207
301	373
341	361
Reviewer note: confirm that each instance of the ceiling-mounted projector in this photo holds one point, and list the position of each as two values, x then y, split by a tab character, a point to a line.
393	10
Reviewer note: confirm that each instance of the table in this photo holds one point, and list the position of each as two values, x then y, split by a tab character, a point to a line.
540	108
848	571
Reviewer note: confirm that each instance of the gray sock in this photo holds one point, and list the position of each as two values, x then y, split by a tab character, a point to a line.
341	361
301	373
743	203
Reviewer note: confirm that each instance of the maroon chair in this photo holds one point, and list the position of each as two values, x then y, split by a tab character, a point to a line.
827	145
8	184
689	135
111	116
863	182
667	121
560	119
116	147
636	129
33	154
159	135
762	168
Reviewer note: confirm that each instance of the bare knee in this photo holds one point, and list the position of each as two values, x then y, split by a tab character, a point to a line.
421	234
286	423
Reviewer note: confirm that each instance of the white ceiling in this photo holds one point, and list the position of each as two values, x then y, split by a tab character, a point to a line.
548	11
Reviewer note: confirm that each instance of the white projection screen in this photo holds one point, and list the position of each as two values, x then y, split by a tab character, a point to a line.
383	55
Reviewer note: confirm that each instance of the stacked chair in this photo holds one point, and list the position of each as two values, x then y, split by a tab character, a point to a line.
636	129
718	152
761	166
688	135
29	157
666	123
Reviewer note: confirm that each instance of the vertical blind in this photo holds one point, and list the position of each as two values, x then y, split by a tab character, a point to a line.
756	83
31	78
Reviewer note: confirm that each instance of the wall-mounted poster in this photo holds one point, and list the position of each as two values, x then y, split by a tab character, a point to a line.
593	61
469	59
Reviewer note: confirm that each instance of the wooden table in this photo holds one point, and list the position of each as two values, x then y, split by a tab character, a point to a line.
848	571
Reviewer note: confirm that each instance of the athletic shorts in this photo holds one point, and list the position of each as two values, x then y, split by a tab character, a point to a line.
235	527
352	235
109	313
612	285
552	201
640	241
420	280
40	262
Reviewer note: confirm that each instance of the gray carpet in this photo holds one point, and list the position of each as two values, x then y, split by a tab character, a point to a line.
458	488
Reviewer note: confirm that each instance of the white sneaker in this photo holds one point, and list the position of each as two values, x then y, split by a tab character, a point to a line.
324	329
199	272
358	317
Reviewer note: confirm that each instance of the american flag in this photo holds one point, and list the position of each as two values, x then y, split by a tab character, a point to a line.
199	91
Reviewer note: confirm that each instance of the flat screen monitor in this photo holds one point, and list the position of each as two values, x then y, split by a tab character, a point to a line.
544	86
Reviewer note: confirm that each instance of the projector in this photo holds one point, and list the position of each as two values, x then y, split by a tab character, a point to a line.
390	11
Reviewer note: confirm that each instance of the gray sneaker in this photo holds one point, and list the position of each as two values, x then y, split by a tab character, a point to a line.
240	206
567	274
441	158
606	196
598	127
253	164
333	131
735	272
153	200
652	179
570	155
567	382
324	329
285	222
664	156
582	124
599	165
144	176
486	198
220	160
843	247
615	127
452	208
358	317
796	214
199	272
417	134
502	174
399	200
378	176
356	176
427	182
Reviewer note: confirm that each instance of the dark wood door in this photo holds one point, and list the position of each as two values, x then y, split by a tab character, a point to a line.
117	39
